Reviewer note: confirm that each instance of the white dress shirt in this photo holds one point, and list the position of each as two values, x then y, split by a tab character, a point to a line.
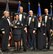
39	24
9	21
45	19
20	17
29	20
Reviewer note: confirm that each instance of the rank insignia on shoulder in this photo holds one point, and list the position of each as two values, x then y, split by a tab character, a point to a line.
33	20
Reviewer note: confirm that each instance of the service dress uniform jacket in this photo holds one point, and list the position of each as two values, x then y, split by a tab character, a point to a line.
22	18
40	37
5	31
32	25
48	25
17	30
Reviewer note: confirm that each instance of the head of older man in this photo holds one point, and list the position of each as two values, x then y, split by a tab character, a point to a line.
21	9
6	13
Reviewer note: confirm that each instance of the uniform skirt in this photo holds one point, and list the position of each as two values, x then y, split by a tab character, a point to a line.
40	39
17	34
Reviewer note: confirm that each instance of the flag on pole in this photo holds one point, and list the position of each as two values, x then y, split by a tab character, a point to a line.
7	6
51	9
28	6
19	4
39	10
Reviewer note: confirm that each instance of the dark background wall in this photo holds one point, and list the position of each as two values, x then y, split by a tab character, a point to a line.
44	4
34	5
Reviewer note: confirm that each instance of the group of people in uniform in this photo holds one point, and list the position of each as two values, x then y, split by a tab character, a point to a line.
28	31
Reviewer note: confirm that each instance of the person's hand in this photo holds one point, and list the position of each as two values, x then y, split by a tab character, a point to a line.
9	37
25	29
44	34
3	32
34	31
15	26
51	30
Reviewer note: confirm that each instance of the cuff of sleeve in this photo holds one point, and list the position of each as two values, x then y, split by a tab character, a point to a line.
35	28
25	25
2	29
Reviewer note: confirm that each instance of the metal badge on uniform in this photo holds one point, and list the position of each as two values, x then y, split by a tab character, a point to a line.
24	17
49	17
44	34
22	24
33	20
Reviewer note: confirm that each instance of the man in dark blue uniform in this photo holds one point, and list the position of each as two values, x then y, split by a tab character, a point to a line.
32	27
5	31
48	23
22	19
52	29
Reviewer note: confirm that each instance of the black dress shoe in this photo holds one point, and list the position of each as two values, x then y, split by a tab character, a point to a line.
18	49
47	48
24	50
7	50
34	49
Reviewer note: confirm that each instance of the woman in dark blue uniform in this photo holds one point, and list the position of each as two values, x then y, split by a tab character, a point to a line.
17	31
40	35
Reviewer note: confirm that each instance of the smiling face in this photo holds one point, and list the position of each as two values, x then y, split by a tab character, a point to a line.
31	13
46	11
21	9
6	13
